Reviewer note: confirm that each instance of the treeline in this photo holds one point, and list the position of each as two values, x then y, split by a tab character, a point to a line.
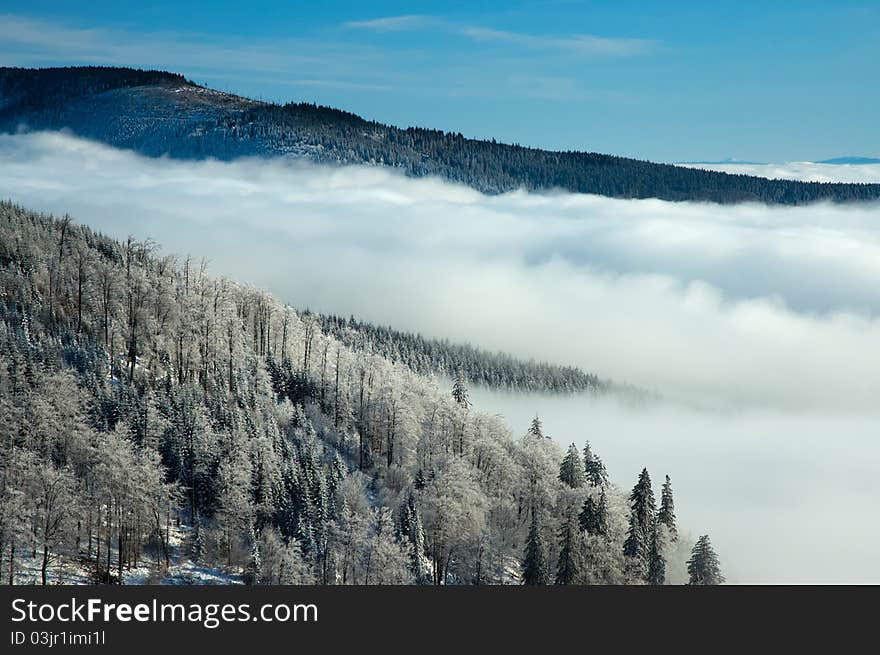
152	414
25	89
441	357
159	113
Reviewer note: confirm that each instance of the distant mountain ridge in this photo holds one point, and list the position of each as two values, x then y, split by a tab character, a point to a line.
159	113
850	160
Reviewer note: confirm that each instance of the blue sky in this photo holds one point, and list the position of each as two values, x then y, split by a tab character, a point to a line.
669	81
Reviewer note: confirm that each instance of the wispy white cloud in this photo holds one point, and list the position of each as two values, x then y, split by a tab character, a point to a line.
405	23
27	42
575	44
335	61
578	44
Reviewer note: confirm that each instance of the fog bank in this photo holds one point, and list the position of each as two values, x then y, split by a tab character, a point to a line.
730	306
805	171
785	498
768	316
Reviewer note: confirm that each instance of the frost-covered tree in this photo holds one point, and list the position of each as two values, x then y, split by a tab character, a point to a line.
538	483
52	494
388	560
439	357
454	514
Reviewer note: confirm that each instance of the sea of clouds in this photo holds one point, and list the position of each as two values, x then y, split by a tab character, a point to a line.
708	303
758	324
805	171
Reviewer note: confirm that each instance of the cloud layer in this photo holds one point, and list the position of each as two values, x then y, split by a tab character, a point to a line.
764	317
744	305
806	171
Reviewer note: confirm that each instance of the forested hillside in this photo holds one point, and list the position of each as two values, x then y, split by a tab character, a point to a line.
157	113
151	414
440	357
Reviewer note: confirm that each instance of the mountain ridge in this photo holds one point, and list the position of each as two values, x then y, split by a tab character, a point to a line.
857	161
159	113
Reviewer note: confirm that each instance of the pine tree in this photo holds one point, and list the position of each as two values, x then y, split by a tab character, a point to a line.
656	561
459	391
594	469
666	515
571	471
535	429
703	566
569	567
593	518
535	570
641	524
587	517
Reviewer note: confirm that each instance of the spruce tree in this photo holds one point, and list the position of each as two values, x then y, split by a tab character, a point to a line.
703	566
593	518
641	524
569	567
535	569
666	515
587	519
571	471
656	561
594	469
535	429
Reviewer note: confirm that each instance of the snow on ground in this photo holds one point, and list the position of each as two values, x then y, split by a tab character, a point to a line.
183	571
